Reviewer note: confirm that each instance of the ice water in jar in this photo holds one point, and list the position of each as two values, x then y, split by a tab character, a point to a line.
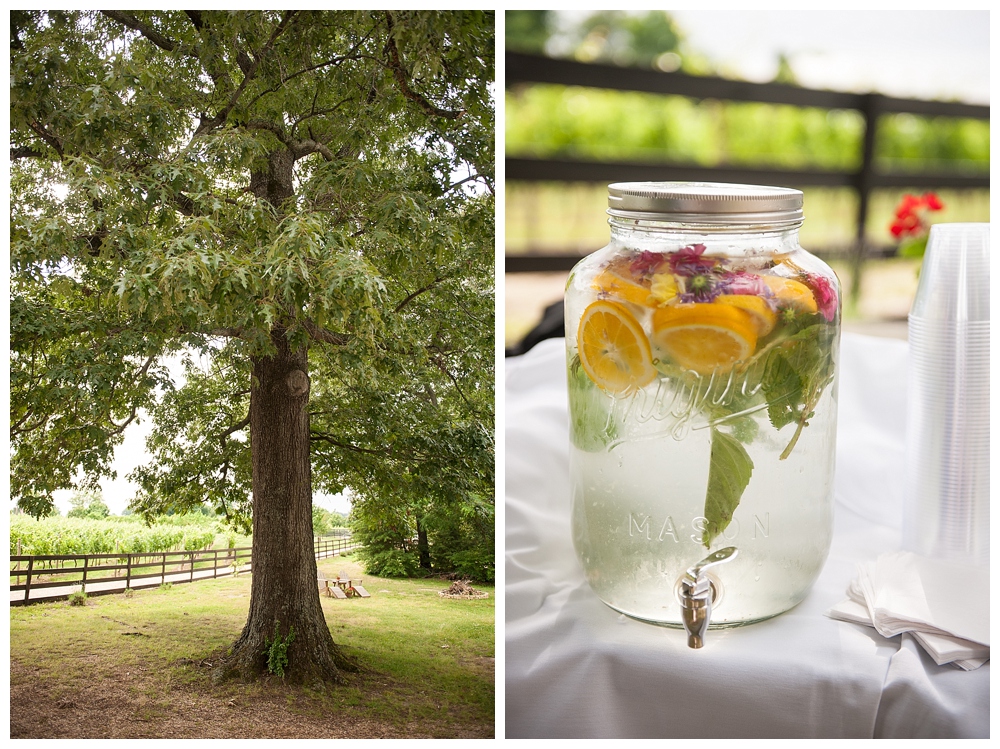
702	356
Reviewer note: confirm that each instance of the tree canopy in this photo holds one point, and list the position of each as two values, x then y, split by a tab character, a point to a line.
194	183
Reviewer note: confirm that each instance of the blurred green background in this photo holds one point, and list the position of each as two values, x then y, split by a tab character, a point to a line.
551	121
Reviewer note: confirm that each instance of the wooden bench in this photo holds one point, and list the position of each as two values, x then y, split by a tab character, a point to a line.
342	587
333	592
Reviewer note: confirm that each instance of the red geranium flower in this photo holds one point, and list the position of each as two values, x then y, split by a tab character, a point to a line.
911	215
933	202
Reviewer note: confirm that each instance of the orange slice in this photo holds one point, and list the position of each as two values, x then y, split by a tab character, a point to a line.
614	351
706	336
791	293
621	288
764	317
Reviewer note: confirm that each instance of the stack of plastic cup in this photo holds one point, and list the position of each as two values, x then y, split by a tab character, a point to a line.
946	513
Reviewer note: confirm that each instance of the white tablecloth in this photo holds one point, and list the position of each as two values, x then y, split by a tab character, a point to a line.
576	668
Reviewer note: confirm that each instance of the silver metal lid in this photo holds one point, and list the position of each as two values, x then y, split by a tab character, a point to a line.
710	203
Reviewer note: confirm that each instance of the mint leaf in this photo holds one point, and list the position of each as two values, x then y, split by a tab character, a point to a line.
591	427
745	429
795	373
728	475
782	386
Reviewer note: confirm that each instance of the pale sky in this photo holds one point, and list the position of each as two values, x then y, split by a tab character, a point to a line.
911	54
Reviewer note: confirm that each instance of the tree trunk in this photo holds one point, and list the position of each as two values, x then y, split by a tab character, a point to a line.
284	592
423	548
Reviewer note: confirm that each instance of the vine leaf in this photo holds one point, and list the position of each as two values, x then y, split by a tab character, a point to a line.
728	475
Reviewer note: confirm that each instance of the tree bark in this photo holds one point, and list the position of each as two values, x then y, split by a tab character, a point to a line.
423	548
284	592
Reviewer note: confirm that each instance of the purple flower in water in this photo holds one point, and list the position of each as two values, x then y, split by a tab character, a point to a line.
646	264
700	288
741	282
688	261
826	295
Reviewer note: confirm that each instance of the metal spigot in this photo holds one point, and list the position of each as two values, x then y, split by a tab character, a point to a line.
697	593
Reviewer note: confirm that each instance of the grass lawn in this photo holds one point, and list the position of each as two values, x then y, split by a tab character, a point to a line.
139	666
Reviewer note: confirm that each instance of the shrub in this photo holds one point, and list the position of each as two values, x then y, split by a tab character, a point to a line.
78	598
390	562
277	651
474	564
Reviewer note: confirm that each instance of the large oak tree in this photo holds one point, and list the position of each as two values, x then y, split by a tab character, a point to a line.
299	204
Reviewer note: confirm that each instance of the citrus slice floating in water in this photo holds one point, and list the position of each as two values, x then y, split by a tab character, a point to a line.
614	351
764	317
705	336
622	288
791	293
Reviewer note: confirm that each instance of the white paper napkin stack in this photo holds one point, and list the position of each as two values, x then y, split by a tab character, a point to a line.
944	605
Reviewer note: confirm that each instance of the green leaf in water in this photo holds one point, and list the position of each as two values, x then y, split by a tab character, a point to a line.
728	475
591	427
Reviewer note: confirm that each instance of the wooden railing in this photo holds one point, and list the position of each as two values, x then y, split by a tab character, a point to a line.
522	68
99	574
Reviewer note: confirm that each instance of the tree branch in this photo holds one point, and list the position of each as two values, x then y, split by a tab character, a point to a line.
47	137
305	147
410	297
402	79
447	373
321	334
161	41
26	152
347	446
207	125
241	424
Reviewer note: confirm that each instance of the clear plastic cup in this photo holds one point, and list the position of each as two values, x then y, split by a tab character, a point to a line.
946	511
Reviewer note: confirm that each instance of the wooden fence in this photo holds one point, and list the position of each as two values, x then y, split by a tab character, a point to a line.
58	575
522	68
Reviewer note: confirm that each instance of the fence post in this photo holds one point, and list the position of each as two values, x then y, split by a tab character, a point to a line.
83	585
163	568
128	571
215	564
191	579
27	587
864	181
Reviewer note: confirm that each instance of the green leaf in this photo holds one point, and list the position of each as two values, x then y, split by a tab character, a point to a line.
795	373
728	475
591	428
783	388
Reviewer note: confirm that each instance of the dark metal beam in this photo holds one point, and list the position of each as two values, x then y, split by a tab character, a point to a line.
535	69
573	170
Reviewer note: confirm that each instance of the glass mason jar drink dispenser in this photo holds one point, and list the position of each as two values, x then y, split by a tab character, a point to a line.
702	348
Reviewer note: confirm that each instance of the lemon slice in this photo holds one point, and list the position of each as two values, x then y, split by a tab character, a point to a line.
614	351
706	336
621	288
791	293
764	317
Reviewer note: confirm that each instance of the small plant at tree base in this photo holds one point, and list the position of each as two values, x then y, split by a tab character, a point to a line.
166	586
277	651
78	598
129	592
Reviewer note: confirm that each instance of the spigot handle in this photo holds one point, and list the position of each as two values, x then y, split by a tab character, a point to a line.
697	595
